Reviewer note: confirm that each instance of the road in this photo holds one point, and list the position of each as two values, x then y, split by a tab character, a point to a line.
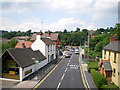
65	75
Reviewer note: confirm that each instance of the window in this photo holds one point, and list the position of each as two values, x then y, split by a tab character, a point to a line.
115	55
48	48
114	71
51	47
109	55
104	54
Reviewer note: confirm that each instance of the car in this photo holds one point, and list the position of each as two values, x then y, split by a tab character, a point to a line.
76	51
67	55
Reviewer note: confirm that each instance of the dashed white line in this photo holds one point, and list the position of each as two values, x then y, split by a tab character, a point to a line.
67	64
63	76
65	70
58	86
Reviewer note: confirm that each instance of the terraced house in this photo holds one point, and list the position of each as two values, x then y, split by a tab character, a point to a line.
110	63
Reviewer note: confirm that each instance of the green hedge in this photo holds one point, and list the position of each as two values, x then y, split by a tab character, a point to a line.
92	65
98	78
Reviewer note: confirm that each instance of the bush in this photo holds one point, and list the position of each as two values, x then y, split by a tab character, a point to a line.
98	78
105	87
92	65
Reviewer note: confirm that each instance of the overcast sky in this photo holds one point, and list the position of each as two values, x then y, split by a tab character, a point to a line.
57	15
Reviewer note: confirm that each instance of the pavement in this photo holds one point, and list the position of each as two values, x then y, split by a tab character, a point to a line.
31	81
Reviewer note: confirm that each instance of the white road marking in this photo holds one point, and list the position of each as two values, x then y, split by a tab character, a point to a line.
65	70
58	86
67	64
63	76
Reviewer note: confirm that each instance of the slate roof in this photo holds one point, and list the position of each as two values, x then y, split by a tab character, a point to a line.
107	66
53	36
47	41
23	56
113	46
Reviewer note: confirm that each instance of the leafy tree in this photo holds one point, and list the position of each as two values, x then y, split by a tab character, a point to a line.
10	44
77	30
117	31
65	31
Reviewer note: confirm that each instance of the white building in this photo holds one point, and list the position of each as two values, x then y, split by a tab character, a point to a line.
46	47
20	63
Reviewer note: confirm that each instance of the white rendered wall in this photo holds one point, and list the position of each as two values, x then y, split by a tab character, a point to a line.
34	68
38	44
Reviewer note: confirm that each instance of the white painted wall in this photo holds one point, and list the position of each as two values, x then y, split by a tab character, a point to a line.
38	44
34	68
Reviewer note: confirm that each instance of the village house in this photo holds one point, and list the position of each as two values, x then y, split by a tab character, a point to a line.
53	36
109	66
22	38
19	63
23	44
46	47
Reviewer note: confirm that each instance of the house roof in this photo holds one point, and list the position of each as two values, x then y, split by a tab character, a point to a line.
23	56
53	36
22	37
107	66
47	41
113	46
27	44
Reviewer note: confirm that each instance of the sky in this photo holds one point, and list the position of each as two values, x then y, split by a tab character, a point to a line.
57	15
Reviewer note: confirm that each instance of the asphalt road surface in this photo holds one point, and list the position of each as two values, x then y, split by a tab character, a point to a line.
66	75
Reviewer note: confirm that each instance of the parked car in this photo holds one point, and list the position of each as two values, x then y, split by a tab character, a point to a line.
67	55
76	51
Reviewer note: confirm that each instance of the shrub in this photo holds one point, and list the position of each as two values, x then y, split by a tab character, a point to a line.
98	78
92	65
105	87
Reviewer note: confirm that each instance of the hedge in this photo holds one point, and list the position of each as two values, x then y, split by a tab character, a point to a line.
92	65
98	78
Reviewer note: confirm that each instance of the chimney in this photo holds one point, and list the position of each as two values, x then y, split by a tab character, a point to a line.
112	38
23	45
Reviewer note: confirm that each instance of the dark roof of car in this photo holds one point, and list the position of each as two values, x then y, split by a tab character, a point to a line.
113	46
24	56
107	66
47	41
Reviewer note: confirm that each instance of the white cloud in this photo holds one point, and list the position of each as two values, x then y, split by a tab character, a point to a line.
64	23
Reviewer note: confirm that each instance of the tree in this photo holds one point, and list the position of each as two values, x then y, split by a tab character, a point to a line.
65	31
77	30
117	30
10	44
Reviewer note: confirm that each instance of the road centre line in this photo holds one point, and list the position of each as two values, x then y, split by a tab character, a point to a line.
58	86
62	76
65	70
46	76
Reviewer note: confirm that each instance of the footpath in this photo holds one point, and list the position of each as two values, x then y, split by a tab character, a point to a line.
87	78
